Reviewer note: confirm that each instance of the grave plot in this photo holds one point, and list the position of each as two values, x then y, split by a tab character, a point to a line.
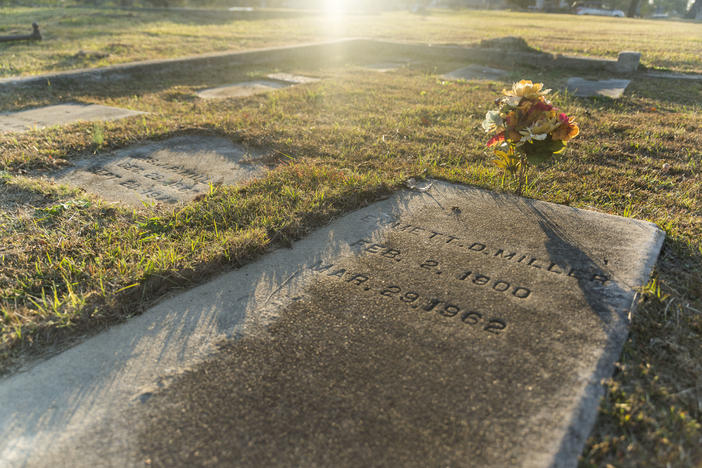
476	72
449	327
171	171
458	328
613	89
61	114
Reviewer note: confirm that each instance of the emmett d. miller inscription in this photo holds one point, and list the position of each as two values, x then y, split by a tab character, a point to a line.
456	327
170	171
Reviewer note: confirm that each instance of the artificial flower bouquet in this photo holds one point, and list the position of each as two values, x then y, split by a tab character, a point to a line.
527	128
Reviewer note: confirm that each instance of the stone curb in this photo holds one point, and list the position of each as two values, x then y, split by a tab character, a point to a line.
326	52
127	71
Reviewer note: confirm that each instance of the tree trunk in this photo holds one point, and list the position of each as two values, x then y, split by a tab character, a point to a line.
633	6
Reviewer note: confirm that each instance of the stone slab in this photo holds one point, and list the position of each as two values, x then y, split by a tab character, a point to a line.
446	327
290	78
476	72
243	89
61	114
613	89
169	171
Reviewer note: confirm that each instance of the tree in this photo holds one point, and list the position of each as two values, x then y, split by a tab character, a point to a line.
694	10
633	7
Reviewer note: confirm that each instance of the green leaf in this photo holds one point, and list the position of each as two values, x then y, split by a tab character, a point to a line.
540	151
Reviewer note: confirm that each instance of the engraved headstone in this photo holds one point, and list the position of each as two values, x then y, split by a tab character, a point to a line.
61	114
290	78
476	72
243	89
613	89
169	171
446	327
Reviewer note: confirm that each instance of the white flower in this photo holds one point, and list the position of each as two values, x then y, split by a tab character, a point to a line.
492	121
512	101
528	135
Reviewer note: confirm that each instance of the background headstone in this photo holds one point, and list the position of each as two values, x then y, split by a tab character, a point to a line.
169	171
243	89
628	62
613	89
61	114
476	72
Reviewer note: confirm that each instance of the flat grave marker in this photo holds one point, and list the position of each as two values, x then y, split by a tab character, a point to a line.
243	89
449	327
476	72
170	171
464	328
613	89
61	114
290	78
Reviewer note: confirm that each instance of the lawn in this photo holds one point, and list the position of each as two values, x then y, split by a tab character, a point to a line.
72	264
84	38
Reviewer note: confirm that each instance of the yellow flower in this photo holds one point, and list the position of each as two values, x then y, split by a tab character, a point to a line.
526	89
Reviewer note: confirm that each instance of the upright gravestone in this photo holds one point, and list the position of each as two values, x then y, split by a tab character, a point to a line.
61	114
170	171
446	327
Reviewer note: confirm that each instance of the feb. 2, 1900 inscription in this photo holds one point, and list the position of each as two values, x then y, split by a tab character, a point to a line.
170	171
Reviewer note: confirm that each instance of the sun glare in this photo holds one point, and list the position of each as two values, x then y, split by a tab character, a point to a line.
335	7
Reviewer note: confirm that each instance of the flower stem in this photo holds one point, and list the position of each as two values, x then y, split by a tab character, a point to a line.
522	173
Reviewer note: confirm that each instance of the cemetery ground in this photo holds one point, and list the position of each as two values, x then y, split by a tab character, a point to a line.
85	38
73	264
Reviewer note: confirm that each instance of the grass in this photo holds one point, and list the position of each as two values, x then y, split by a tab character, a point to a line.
85	38
73	264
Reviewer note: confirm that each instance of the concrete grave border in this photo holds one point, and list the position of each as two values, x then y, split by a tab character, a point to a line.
338	51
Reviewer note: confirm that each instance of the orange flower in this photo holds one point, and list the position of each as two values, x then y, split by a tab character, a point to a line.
566	130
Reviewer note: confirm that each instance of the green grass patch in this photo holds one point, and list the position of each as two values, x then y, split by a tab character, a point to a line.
85	38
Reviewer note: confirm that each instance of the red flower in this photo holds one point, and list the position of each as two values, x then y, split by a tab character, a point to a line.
542	106
499	138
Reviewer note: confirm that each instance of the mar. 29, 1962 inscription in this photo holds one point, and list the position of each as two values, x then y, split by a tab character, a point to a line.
169	172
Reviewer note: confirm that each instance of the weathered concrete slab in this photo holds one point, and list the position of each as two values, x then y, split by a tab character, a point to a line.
170	171
61	114
290	78
451	327
243	89
476	72
613	89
